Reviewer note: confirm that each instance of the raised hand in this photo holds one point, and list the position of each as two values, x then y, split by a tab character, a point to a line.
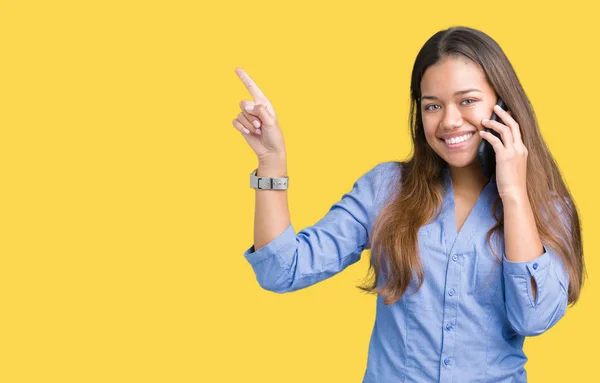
258	122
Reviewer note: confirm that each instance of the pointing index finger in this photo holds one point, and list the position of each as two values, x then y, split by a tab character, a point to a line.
254	90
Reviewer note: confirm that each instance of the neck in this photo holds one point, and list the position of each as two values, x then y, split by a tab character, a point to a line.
468	179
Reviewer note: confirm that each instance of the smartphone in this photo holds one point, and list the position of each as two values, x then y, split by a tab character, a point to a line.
485	151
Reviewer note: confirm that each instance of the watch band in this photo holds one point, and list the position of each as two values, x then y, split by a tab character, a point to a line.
268	183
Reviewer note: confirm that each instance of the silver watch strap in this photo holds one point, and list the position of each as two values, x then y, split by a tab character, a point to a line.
268	183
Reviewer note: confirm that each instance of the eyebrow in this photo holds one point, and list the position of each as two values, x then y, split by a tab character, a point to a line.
456	93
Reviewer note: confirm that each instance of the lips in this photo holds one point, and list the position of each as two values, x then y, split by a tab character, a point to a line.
459	145
459	134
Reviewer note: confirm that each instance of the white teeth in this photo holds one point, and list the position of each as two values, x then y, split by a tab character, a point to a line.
459	139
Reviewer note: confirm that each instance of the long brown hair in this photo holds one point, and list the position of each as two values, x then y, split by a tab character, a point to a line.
418	192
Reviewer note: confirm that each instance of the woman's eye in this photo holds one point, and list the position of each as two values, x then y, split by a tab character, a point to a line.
464	102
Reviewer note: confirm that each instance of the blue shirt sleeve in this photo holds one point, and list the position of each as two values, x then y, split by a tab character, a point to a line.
292	261
529	316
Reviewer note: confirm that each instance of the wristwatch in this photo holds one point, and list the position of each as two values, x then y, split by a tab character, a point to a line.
272	183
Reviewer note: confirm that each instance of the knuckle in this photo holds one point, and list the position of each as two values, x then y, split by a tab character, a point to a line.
245	103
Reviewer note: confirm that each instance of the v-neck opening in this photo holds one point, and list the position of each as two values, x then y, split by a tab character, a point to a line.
452	234
453	212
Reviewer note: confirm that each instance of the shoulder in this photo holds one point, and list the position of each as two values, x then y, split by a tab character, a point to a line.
386	176
388	170
378	179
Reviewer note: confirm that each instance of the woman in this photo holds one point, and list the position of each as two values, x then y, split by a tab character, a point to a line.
464	266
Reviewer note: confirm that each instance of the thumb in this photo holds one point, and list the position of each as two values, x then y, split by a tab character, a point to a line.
267	119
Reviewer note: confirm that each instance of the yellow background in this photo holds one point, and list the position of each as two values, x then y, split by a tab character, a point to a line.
126	204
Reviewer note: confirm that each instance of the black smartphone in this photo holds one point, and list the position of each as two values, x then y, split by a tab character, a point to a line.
485	151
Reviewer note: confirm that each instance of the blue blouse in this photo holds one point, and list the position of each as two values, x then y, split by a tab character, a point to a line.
469	319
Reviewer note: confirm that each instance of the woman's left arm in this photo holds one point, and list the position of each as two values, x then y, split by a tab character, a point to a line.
535	279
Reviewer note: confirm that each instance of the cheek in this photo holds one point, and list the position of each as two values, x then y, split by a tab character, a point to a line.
475	115
429	126
430	135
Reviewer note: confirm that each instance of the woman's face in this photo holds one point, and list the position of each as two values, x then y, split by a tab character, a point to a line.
456	96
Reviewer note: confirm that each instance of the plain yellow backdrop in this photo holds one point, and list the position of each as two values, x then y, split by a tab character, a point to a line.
126	205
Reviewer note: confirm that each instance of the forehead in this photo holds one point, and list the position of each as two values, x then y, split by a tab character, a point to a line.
451	74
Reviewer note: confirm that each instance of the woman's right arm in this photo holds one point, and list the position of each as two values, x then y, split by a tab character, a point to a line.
258	124
281	259
272	213
291	261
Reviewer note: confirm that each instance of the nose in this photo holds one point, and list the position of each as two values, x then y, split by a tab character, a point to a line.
452	118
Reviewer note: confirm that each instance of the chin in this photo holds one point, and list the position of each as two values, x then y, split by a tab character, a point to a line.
461	163
459	160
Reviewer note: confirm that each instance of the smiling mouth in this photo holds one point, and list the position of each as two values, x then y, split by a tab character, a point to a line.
459	141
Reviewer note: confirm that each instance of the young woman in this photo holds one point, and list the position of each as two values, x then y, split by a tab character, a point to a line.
465	267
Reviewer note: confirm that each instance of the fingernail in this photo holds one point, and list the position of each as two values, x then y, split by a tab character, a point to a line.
250	108
484	120
256	124
246	130
257	131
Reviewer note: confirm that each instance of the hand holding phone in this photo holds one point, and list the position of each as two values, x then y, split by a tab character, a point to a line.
485	151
